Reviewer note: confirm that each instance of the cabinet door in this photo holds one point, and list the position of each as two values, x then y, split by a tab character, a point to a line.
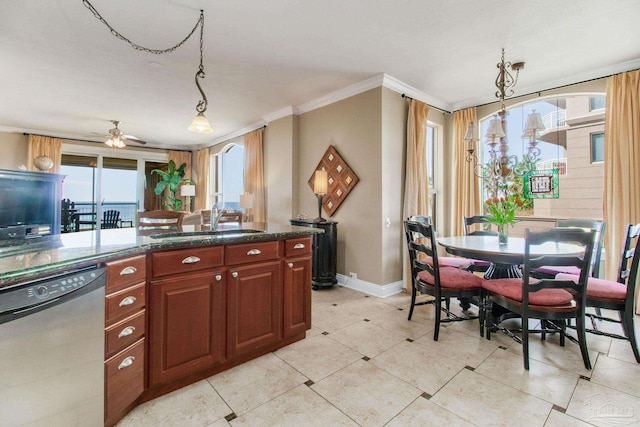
296	311
187	326
254	307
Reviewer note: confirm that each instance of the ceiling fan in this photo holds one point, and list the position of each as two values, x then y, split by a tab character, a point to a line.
117	138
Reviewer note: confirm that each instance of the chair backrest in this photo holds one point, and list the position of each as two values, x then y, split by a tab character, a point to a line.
421	240
157	219
470	230
231	217
628	269
205	216
599	227
580	237
110	218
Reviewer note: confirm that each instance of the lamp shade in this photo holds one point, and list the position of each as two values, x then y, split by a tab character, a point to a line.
246	201
534	124
472	131
187	190
200	124
320	183
495	129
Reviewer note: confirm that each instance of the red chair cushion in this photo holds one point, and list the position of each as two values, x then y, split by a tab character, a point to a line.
451	277
445	261
512	289
600	288
479	263
556	269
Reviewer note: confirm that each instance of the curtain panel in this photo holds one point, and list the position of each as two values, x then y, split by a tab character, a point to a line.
202	184
254	173
621	160
44	146
467	200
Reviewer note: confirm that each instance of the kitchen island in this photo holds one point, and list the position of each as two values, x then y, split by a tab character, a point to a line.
182	305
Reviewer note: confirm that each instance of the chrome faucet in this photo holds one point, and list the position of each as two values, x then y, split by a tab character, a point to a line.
216	214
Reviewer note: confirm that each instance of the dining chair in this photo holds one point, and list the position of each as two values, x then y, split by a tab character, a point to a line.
443	261
553	301
471	229
443	283
550	271
159	219
231	217
619	295
110	219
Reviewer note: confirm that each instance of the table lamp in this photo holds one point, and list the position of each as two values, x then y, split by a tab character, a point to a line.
246	203
187	191
320	184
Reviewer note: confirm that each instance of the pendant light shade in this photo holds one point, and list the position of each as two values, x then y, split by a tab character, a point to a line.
200	124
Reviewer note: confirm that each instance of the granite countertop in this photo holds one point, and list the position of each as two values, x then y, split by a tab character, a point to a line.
72	250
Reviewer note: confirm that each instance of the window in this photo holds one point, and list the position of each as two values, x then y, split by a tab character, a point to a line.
597	147
430	154
597	102
228	177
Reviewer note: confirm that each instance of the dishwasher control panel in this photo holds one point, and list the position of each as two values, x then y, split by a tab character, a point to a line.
27	295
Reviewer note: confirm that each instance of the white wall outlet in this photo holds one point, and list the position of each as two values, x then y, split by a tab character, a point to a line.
387	222
353	275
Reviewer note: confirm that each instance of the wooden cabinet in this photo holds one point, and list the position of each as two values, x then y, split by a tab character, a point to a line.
187	326
296	289
325	249
125	321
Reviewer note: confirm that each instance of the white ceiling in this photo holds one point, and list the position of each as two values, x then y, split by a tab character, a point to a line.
63	74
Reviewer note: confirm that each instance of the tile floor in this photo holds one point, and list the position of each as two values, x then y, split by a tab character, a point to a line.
364	364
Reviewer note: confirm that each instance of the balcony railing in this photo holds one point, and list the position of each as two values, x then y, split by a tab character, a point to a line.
128	211
554	119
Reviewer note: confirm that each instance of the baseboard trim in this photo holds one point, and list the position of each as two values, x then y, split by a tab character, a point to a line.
370	288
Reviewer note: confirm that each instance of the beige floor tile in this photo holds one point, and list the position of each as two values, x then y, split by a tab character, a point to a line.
318	357
331	318
253	383
298	407
396	322
602	406
543	381
621	350
220	423
486	402
195	405
399	300
367	338
558	419
422	412
334	294
429	365
371	402
618	375
367	308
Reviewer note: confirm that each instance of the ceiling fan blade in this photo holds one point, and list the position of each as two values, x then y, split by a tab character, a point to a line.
134	139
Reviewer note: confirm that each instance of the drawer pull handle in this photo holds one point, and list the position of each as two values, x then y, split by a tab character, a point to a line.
191	260
127	331
128	270
126	362
254	252
218	277
290	265
234	274
299	246
127	301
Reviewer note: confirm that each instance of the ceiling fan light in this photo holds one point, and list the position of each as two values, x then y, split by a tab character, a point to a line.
109	142
119	143
200	124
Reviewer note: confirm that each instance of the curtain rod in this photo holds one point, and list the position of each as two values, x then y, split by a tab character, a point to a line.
404	95
98	142
539	92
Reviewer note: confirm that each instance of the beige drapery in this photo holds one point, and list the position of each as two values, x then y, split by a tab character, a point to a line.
621	162
44	146
416	182
467	200
254	173
202	184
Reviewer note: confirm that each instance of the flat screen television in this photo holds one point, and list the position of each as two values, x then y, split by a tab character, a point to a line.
29	204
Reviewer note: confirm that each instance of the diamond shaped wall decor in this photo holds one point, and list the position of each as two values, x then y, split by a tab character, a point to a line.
341	180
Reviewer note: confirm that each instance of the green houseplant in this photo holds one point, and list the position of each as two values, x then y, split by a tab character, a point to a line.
502	212
172	178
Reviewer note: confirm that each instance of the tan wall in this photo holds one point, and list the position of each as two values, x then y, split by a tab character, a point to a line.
280	158
14	150
353	127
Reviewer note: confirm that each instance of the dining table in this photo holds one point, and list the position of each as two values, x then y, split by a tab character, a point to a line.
505	259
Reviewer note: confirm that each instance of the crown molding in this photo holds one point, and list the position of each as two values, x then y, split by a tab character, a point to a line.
399	86
250	128
339	95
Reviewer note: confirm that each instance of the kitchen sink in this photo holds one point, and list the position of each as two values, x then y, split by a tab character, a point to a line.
218	233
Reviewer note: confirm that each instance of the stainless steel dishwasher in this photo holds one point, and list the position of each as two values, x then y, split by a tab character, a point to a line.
52	351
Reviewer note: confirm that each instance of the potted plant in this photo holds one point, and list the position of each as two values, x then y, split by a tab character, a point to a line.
172	178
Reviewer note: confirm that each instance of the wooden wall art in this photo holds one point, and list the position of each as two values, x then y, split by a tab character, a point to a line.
341	180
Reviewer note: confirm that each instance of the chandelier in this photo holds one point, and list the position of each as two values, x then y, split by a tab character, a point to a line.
501	169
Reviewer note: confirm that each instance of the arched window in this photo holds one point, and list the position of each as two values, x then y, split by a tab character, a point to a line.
227	177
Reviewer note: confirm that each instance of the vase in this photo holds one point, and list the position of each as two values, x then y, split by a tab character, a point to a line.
503	238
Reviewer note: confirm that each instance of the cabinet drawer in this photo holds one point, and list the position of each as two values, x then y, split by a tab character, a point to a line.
295	247
187	260
121	304
124	376
125	272
251	252
124	333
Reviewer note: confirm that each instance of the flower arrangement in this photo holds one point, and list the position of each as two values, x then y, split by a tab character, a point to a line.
502	212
